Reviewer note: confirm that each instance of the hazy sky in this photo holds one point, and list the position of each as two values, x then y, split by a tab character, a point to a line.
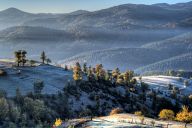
60	6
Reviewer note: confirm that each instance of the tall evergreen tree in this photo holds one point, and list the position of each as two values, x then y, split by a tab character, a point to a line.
100	72
77	72
23	57
43	57
115	74
17	57
85	68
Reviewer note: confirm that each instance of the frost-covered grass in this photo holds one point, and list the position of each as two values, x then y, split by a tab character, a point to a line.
130	121
162	82
54	79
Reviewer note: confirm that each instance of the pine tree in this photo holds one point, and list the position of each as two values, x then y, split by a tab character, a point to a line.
115	74
120	79
100	72
18	97
85	68
23	57
17	57
66	68
4	109
90	73
38	86
43	57
48	60
128	75
77	72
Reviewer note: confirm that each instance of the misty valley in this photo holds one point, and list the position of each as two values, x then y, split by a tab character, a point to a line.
127	66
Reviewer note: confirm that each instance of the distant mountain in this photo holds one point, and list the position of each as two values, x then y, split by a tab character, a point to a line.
79	12
12	12
122	17
181	43
124	58
14	17
181	6
182	62
128	16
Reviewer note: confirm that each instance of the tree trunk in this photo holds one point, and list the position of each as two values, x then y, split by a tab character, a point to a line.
185	125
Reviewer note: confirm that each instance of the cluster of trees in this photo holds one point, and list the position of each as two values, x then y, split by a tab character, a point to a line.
20	58
44	58
183	116
99	73
33	109
37	108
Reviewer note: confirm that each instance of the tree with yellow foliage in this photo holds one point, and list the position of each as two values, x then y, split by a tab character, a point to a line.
58	123
141	116
100	72
167	114
77	72
128	75
185	115
115	74
120	79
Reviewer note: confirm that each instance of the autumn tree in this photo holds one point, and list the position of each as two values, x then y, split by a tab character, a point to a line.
90	74
128	75
116	111
167	114
141	116
77	72
116	73
184	115
120	79
100	72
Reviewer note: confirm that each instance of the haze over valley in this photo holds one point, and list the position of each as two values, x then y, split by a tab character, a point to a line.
138	35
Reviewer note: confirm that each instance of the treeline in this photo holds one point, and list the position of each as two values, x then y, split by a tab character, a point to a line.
176	73
21	58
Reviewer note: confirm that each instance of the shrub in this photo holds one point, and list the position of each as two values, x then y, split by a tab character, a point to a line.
138	113
167	114
4	108
153	123
116	111
3	72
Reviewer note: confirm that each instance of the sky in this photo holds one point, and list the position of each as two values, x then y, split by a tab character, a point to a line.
64	6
